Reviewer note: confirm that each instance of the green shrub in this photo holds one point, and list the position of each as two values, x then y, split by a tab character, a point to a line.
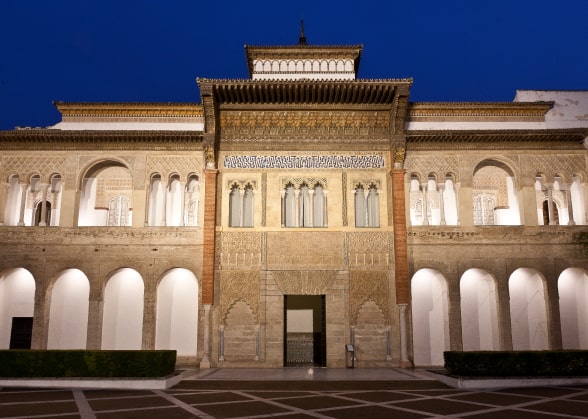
516	363
81	363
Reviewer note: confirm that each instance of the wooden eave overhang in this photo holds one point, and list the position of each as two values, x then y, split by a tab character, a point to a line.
53	139
418	111
130	110
302	52
571	137
354	92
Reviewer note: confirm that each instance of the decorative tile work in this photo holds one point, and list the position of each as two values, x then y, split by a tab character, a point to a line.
371	161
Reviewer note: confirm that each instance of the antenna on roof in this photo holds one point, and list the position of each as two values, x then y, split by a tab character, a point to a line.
302	38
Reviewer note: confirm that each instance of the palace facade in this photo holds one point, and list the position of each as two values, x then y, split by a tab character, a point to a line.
297	212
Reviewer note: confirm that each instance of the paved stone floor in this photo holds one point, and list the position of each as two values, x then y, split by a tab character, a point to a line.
298	393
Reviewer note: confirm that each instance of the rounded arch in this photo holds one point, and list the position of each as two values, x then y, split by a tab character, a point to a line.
572	286
177	312
528	310
495	193
17	305
68	310
106	190
479	317
430	317
122	319
95	167
507	166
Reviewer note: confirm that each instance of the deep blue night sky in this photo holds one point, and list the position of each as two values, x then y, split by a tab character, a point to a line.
147	50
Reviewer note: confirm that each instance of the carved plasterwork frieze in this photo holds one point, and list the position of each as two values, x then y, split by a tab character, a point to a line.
368	286
433	163
304	282
369	249
239	250
239	286
26	166
566	165
305	161
167	165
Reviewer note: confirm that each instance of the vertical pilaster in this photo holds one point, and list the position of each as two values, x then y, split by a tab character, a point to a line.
23	203
400	240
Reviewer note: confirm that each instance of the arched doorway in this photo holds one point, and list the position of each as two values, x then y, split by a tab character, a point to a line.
479	319
177	312
68	312
430	317
122	324
528	313
17	304
573	308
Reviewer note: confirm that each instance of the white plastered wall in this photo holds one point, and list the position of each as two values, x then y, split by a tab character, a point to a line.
17	299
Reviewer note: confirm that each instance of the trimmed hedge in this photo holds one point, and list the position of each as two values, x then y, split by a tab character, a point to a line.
16	363
517	363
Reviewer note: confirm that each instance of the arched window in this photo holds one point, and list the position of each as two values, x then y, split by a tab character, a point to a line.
39	211
494	193
192	200
289	206
367	211
241	206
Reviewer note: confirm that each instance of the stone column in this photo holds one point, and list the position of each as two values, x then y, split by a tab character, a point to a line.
442	204
311	209
326	209
164	199
571	221
205	362
424	187
283	199
23	203
241	206
43	221
297	204
550	205
221	343
404	362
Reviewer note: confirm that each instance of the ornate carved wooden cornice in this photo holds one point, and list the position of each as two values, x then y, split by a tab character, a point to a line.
355	92
52	139
130	110
489	111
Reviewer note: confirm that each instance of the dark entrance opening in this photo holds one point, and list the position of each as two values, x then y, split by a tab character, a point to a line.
305	342
21	333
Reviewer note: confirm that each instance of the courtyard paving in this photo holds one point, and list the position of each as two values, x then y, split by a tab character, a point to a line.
299	393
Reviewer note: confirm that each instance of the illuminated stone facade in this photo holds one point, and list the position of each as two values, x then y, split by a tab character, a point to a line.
294	213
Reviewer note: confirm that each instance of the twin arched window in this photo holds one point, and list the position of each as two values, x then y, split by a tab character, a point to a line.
241	206
367	211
